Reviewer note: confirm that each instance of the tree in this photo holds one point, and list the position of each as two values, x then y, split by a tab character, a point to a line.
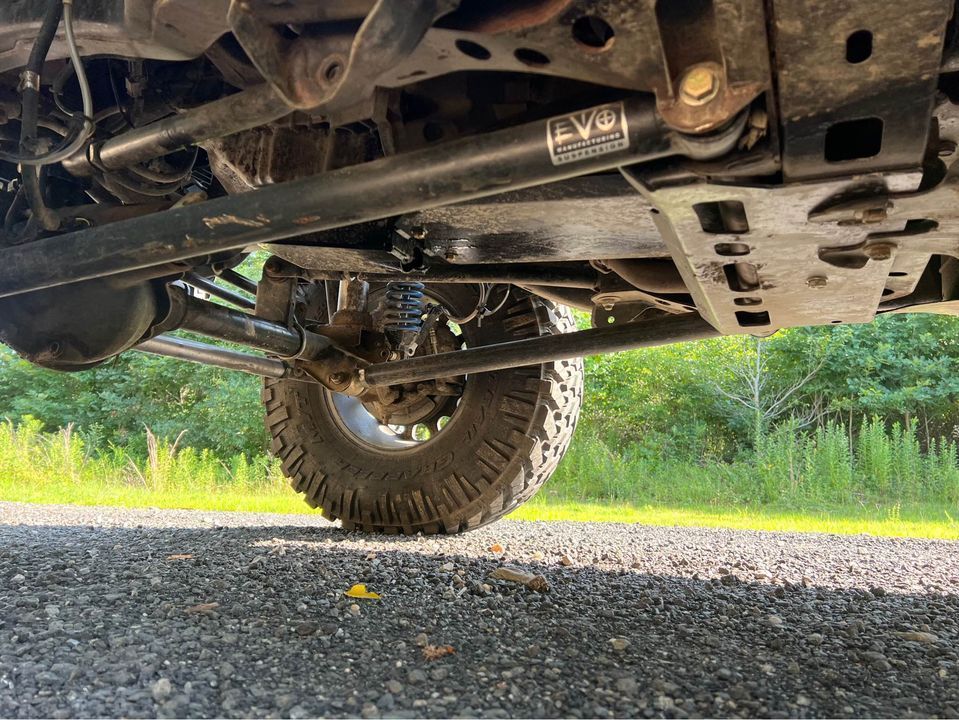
759	391
900	367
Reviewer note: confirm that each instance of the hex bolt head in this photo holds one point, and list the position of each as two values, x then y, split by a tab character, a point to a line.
817	281
338	378
699	85
879	251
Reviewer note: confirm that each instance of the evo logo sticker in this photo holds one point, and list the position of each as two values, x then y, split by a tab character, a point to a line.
583	135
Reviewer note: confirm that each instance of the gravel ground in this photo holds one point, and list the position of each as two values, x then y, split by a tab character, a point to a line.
108	612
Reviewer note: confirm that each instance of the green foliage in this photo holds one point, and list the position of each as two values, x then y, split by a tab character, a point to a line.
876	420
790	469
116	402
30	458
665	399
900	366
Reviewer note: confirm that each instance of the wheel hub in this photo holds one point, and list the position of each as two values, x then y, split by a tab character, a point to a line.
422	403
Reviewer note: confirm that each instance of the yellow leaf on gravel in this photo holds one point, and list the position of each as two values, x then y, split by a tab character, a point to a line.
360	591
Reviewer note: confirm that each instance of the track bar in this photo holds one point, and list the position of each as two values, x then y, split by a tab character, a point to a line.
488	358
517	353
528	274
198	352
473	167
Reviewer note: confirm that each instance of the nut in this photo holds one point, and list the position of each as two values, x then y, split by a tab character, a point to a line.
699	85
879	251
817	281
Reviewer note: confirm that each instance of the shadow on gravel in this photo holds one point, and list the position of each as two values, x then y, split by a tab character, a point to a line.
253	621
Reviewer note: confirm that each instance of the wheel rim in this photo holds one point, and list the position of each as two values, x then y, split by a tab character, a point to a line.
366	429
362	426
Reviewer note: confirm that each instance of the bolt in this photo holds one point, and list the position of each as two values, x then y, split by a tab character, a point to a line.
418	232
699	85
338	378
879	251
872	215
817	281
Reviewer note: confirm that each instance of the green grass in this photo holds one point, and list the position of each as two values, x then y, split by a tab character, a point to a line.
924	521
593	484
112	494
921	521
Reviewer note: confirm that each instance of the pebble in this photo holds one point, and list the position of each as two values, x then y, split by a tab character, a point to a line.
394	686
161	690
618	644
306	628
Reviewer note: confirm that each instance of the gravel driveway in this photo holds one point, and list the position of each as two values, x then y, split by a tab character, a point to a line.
137	613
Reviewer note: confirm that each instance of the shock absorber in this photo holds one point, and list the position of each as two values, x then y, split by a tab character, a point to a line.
403	315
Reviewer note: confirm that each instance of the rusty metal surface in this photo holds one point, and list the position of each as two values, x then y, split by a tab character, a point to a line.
635	59
309	11
315	70
159	29
818	87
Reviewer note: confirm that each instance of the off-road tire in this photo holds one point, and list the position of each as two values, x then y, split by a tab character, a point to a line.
508	435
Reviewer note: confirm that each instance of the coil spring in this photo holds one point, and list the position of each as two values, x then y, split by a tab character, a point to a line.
405	305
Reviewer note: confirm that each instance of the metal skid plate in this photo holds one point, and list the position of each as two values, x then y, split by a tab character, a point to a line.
785	271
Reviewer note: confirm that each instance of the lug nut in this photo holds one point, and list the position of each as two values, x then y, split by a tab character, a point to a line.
699	85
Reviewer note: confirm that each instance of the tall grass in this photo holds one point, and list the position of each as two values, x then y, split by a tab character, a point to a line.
33	461
789	469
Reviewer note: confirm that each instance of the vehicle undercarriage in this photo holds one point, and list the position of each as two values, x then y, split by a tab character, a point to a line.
437	181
